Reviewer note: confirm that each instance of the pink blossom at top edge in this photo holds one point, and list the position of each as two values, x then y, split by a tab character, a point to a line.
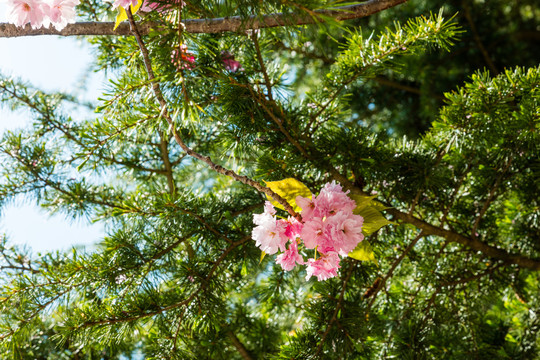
22	12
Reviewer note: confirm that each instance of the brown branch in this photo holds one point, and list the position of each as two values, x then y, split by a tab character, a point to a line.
239	346
210	26
255	39
475	244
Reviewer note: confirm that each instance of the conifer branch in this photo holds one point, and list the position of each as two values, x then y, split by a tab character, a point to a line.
185	302
428	229
475	244
339	304
378	285
211	26
164	149
206	159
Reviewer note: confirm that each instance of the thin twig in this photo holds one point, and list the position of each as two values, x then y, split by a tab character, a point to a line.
206	159
382	283
254	37
336	310
479	43
490	198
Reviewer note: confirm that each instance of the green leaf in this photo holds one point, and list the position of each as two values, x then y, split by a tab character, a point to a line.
288	189
363	252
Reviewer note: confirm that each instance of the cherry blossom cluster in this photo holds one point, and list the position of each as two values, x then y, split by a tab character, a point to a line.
38	13
328	226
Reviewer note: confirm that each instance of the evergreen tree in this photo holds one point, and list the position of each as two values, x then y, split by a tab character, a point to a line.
197	122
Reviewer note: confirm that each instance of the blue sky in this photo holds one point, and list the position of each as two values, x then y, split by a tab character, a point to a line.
50	63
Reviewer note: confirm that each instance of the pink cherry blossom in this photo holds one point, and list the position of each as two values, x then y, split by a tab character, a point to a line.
22	12
149	5
324	267
328	225
62	12
230	63
342	232
294	228
313	232
332	199
269	208
124	3
269	234
290	257
307	205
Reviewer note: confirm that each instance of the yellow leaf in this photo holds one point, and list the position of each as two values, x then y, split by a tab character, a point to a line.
288	189
369	209
122	15
263	254
365	201
363	252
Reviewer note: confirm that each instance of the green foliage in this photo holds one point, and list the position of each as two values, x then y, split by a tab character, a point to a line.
451	210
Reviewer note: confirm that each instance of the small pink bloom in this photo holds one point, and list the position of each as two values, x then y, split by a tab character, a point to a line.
124	3
342	232
149	5
294	228
324	267
269	208
22	12
307	205
290	257
183	59
230	63
62	12
269	234
313	233
332	199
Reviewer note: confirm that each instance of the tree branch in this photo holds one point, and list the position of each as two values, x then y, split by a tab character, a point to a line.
239	346
428	229
475	244
211	26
